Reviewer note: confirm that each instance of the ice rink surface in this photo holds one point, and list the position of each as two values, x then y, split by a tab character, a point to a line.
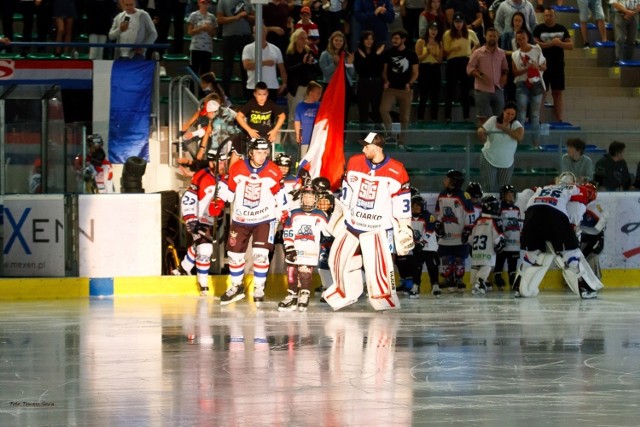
459	360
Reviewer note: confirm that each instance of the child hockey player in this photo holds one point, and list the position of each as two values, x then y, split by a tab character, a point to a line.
199	207
486	240
326	203
475	192
454	220
302	231
592	229
511	227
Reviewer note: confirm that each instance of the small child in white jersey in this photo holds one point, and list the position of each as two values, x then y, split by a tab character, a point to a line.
486	240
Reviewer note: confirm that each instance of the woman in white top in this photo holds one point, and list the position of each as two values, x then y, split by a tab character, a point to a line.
528	66
500	135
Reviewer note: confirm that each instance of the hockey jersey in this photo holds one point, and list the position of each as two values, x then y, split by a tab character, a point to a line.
559	197
594	219
511	226
424	233
374	194
485	235
198	197
455	211
255	194
104	178
303	231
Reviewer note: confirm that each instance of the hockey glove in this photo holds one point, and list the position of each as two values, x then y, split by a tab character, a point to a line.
290	254
190	223
216	207
403	237
201	229
464	237
283	216
439	228
598	246
499	247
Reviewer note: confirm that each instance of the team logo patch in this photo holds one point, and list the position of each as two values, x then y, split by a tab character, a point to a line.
367	194
233	236
305	233
251	196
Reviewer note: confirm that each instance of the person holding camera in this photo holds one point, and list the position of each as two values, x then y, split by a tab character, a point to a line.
133	26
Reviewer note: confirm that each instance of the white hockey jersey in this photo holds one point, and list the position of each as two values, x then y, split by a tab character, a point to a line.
484	237
556	197
374	194
303	230
455	211
255	194
511	226
196	200
424	232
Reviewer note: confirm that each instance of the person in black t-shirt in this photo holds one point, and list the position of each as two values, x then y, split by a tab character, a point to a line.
261	117
399	73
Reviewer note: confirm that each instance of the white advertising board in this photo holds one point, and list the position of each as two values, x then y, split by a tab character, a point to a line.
119	235
33	236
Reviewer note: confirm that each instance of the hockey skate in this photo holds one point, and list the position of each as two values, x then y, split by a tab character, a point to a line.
435	290
233	294
290	303
303	300
179	271
204	290
586	292
415	291
480	288
258	294
461	287
499	281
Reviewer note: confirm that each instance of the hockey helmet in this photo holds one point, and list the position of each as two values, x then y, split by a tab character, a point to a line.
491	205
321	184
590	191
475	190
417	202
566	178
259	144
326	202
283	160
213	154
508	189
456	178
308	197
414	191
94	140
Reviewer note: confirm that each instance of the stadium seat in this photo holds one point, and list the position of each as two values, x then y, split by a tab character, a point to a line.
453	148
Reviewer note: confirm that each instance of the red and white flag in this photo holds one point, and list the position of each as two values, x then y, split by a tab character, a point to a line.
326	150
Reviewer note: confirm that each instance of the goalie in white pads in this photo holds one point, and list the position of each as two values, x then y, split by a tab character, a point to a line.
551	216
371	221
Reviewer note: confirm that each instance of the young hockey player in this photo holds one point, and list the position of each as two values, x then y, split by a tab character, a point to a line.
454	221
486	240
592	229
474	189
326	203
253	187
302	232
199	207
511	227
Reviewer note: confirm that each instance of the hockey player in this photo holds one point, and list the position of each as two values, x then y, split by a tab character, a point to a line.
455	217
486	240
99	173
474	189
326	203
302	233
374	219
592	229
199	206
253	187
551	217
511	227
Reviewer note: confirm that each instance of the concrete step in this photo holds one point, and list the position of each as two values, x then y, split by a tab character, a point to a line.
572	71
584	93
596	82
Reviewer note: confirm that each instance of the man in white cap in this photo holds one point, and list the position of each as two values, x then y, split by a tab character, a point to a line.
372	220
203	130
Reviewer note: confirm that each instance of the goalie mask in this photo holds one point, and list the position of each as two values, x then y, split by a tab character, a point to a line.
566	178
326	203
308	198
491	206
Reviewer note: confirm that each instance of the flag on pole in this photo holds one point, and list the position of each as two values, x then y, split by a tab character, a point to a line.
326	151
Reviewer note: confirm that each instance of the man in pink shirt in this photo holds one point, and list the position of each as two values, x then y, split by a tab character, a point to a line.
488	66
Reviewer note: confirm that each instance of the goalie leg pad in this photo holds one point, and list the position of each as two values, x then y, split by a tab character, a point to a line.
532	273
378	269
345	268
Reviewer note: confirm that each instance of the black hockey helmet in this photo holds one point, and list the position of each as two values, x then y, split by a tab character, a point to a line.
417	200
326	202
491	205
307	190
94	140
508	189
475	190
321	184
259	144
283	160
456	177
414	191
213	154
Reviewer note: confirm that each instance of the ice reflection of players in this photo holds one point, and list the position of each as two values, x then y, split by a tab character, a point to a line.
372	221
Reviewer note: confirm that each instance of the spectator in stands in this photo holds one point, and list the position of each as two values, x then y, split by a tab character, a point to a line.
261	117
168	12
500	136
375	16
611	171
329	61
209	84
508	44
236	18
6	10
319	16
302	67
576	162
369	62
458	43
413	9
554	39
41	10
272	64
201	26
470	11
399	73
488	66
399	12
625	28
529	65
335	13
311	28
276	17
305	117
132	26
430	54
595	6
502	21
64	13
433	12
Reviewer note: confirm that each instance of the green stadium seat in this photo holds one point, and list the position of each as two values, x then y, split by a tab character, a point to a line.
422	148
453	148
438	171
544	171
175	57
38	55
8	55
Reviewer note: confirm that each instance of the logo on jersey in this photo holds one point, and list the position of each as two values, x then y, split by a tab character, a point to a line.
448	216
233	236
512	224
251	197
367	194
305	233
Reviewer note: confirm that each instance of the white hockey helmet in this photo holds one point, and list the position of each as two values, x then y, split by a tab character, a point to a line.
567	178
